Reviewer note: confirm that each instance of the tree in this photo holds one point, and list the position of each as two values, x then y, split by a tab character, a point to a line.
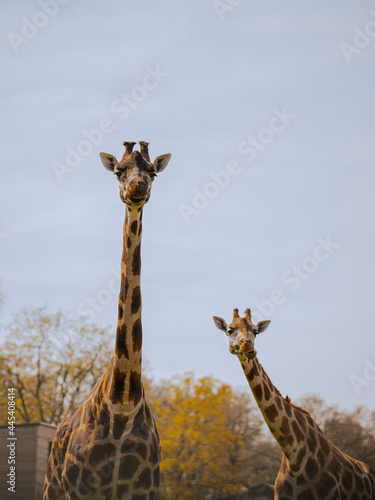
53	362
352	432
203	427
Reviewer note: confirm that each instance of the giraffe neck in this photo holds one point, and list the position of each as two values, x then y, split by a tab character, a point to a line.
293	428
124	390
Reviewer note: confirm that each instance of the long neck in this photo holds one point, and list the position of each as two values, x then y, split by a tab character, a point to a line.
125	385
292	427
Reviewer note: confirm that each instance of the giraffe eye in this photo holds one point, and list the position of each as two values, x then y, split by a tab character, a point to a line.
153	175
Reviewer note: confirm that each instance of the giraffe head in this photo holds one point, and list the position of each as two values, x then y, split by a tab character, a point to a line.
135	172
241	333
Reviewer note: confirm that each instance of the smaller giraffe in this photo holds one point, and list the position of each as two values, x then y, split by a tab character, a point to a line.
312	468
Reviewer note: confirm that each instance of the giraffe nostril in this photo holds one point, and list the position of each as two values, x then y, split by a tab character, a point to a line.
137	183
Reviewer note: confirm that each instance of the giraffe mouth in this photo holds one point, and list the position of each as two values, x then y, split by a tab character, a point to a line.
136	200
250	354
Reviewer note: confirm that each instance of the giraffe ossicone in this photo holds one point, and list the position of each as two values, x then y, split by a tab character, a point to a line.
108	448
312	467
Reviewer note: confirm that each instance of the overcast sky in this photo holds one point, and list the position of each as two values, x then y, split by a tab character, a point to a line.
268	201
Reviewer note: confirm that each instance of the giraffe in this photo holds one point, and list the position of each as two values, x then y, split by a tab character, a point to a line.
312	468
108	448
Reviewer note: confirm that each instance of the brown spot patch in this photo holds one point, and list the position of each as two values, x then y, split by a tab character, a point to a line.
135	387
359	486
118	386
139	418
288	488
144	480
347	480
301	480
324	445
122	489
86	483
301	419
128	466
271	413
121	347
325	485
101	452
311	468
130	446
124	288
120	311
311	441
136	299
253	372
267	393
296	464
288	408
284	427
103	422
137	335
321	459
286	440
306	495
137	261
156	476
128	241
71	472
140	229
279	402
258	393
297	431
79	444
119	425
148	415
134	227
154	451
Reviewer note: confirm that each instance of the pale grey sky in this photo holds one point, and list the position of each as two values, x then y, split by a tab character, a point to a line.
280	97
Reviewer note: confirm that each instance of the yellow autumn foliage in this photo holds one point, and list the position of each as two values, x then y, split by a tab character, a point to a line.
200	453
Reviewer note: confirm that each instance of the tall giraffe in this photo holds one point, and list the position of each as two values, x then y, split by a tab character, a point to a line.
312	467
108	448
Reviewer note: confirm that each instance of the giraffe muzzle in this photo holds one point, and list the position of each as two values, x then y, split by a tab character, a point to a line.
248	349
137	190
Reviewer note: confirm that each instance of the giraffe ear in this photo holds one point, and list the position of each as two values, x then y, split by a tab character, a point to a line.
109	161
262	325
220	323
161	162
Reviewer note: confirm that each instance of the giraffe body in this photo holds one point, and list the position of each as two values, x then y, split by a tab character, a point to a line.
108	448
312	467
